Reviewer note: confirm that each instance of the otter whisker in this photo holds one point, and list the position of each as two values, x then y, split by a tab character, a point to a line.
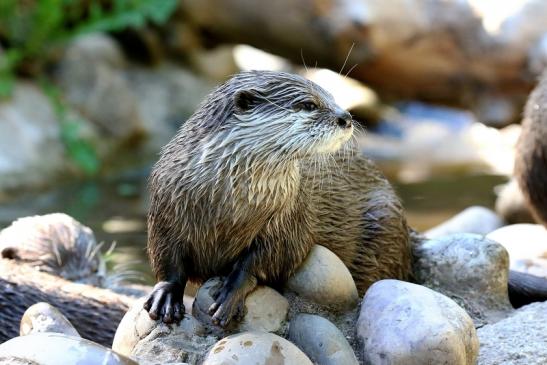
346	60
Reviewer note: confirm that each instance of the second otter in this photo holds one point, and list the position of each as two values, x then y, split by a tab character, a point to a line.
251	181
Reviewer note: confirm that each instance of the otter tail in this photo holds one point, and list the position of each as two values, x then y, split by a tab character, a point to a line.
523	288
526	288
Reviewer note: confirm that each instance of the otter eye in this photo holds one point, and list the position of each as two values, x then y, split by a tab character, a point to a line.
307	106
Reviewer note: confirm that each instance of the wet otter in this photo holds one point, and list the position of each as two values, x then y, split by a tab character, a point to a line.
251	181
531	156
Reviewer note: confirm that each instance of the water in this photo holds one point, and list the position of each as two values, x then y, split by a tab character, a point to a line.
115	208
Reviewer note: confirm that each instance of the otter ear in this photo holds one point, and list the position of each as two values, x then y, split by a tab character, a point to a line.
247	99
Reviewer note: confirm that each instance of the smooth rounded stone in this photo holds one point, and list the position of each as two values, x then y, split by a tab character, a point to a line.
56	348
527	247
43	317
468	268
265	309
511	204
321	340
476	219
324	279
136	329
257	348
519	339
408	324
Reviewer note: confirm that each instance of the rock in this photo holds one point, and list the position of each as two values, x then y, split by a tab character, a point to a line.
56	348
323	278
527	247
511	205
403	323
138	335
321	340
265	309
479	220
468	268
259	348
517	340
90	74
54	243
31	151
43	317
167	95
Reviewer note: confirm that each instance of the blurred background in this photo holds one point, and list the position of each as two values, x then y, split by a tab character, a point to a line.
91	89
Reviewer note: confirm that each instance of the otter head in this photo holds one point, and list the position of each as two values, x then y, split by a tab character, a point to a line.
285	115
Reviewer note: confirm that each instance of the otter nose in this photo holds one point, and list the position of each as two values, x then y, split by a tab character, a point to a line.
343	119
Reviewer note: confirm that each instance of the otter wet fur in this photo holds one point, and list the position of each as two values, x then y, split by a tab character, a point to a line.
259	174
531	155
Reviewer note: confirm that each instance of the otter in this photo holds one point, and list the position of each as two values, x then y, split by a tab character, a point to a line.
261	172
531	153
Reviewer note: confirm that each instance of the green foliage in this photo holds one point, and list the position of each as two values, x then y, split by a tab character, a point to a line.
31	29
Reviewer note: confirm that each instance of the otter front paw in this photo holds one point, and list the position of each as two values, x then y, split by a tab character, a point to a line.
165	302
229	303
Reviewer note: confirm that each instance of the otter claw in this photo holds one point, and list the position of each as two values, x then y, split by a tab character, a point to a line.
165	302
229	303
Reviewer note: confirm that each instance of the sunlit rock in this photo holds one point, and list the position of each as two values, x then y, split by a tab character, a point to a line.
407	324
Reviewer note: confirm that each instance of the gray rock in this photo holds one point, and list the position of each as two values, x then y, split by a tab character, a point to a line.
321	340
475	219
468	268
31	151
90	74
259	348
167	95
139	336
403	323
527	247
43	317
511	205
517	340
323	278
265	309
56	348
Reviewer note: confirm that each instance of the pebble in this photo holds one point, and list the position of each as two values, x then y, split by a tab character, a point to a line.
408	324
476	219
468	268
257	348
138	335
527	247
321	340
265	309
55	349
324	279
43	317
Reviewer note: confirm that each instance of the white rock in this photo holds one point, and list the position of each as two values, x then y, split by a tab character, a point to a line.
137	334
31	151
475	219
468	268
517	340
56	348
265	309
408	324
43	317
527	247
323	278
257	348
321	340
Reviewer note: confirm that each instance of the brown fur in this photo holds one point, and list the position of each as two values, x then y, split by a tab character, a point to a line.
245	189
94	312
531	157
